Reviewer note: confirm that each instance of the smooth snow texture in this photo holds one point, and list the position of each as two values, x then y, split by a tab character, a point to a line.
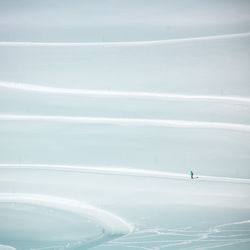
86	92
4	247
112	224
128	121
119	44
121	171
106	107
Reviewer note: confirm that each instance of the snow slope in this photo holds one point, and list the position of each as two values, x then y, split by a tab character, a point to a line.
106	106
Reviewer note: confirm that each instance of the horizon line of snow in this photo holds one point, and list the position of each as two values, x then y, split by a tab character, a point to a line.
123	94
112	223
128	122
119	171
119	44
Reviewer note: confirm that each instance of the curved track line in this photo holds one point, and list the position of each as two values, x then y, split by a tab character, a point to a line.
119	171
113	224
124	94
128	122
120	44
6	247
216	228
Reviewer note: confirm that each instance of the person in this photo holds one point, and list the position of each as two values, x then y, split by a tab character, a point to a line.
192	174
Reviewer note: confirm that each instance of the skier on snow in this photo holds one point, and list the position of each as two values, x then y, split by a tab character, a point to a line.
192	174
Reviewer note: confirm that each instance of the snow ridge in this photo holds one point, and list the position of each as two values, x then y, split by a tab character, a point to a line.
119	44
112	224
119	94
116	170
128	122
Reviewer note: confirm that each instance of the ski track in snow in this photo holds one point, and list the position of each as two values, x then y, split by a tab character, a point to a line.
128	122
154	236
120	44
161	239
120	171
120	94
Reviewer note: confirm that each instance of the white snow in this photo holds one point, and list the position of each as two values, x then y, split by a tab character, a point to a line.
119	44
106	107
85	92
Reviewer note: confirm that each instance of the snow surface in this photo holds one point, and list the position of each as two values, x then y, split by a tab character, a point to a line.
106	107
